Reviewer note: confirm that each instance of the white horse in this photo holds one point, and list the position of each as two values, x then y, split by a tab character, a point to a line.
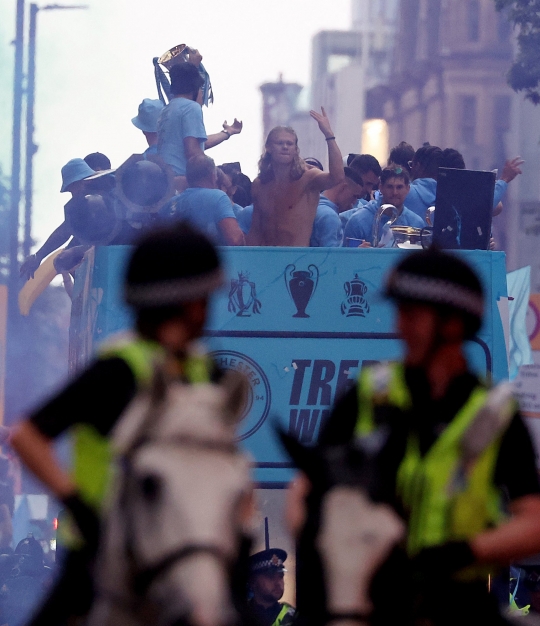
181	502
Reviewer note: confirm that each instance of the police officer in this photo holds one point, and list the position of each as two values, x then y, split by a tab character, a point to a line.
266	570
458	457
170	277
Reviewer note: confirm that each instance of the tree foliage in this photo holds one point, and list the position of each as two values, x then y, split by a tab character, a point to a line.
524	75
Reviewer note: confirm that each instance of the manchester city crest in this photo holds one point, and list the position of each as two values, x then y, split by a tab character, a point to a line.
258	398
355	305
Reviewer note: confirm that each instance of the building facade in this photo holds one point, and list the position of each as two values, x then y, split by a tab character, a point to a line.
448	87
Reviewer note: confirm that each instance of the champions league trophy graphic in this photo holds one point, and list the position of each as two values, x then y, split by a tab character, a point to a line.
243	296
355	305
301	285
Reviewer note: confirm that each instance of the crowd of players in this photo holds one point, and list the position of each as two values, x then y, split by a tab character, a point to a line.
292	201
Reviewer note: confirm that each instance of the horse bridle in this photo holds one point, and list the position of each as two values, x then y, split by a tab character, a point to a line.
143	577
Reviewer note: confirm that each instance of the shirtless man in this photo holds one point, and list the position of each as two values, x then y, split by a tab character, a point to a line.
286	192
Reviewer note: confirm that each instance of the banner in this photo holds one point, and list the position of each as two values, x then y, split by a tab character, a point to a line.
300	323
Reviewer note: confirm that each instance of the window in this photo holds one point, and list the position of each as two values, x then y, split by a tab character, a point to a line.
468	119
473	20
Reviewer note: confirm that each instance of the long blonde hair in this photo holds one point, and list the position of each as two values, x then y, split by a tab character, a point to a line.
266	171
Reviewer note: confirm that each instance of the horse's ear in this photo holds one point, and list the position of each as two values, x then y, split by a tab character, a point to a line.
305	458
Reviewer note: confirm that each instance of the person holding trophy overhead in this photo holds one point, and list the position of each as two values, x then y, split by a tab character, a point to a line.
181	131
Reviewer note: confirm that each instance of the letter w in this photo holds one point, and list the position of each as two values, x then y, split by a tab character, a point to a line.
302	424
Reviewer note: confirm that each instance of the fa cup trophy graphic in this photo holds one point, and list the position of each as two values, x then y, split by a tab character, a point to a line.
355	305
301	285
243	296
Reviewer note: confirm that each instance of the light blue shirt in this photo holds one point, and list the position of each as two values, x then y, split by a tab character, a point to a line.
421	196
202	208
244	215
327	230
345	216
360	225
181	118
150	150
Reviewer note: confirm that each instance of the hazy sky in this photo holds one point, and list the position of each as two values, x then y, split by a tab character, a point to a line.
95	66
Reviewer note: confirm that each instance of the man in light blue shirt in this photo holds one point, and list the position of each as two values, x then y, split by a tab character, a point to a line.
205	207
395	186
327	229
181	131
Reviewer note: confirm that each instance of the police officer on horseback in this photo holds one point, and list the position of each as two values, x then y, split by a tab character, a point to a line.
266	582
170	277
459	463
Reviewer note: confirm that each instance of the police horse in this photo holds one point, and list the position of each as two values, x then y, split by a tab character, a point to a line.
179	509
350	570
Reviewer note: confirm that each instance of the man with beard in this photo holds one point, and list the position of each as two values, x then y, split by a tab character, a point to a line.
267	586
286	193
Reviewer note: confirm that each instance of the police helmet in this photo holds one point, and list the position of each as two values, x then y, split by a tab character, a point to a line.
441	280
271	560
170	266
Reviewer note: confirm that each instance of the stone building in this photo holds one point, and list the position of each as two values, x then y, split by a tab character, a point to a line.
448	87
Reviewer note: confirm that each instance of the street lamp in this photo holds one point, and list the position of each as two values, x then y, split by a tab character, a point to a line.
31	147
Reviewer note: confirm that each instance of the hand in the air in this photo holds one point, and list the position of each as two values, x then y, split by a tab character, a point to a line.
323	122
511	169
235	128
194	57
29	266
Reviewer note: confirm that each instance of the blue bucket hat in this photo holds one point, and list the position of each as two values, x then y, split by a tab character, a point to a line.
147	118
75	170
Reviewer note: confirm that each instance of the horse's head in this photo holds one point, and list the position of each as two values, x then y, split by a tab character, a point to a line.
186	497
346	530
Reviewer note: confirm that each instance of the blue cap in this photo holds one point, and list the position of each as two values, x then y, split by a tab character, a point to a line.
75	170
147	118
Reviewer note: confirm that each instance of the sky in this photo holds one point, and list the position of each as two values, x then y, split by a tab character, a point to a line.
94	67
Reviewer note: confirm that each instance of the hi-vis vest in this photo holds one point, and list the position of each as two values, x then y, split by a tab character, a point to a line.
91	451
449	493
287	611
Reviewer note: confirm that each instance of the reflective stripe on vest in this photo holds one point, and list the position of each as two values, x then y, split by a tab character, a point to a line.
281	615
444	500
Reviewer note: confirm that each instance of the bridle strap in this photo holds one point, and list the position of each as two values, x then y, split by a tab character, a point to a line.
145	577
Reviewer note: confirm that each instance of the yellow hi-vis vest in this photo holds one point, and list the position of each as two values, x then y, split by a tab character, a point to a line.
92	455
444	500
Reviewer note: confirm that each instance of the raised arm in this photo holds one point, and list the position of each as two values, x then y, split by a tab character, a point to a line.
335	174
228	131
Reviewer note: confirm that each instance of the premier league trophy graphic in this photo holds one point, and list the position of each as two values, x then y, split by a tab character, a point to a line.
355	305
301	285
243	296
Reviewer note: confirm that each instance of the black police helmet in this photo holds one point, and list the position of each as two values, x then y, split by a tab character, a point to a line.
170	266
271	560
441	280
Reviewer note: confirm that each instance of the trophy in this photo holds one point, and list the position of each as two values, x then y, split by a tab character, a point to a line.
179	54
355	305
243	296
301	285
